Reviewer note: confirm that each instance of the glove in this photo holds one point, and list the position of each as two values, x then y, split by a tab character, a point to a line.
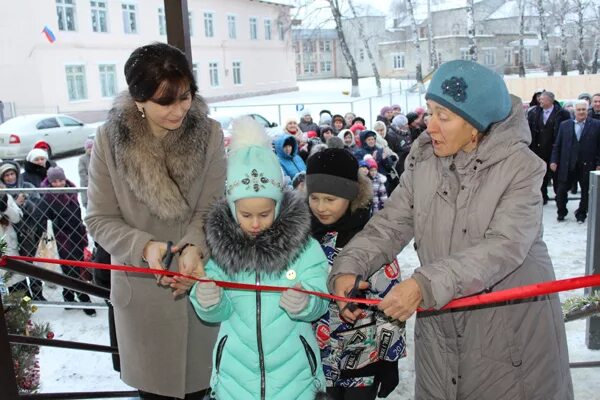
208	294
387	377
293	302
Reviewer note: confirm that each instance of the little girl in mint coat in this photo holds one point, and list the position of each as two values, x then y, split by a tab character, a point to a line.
260	234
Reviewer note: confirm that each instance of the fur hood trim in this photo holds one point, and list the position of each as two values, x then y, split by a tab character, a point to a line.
365	194
159	172
270	252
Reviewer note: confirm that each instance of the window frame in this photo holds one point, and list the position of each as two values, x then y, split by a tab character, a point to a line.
104	75
61	13
232	26
73	75
96	11
268	28
209	24
213	66
127	12
253	27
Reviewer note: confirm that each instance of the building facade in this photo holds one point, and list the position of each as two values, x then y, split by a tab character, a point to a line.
239	48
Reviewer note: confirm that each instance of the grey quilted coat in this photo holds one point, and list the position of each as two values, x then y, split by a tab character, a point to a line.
476	219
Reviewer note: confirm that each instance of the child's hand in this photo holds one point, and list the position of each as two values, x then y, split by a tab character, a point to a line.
292	301
208	294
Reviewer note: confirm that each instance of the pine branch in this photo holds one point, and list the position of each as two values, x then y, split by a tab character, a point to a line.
581	307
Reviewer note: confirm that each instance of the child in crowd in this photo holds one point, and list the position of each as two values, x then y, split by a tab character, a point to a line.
379	190
348	137
338	122
260	234
286	148
64	211
360	360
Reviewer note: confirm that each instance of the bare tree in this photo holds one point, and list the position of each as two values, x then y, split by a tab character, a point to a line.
337	17
558	12
419	67
363	36
434	61
579	7
521	38
544	36
471	29
596	32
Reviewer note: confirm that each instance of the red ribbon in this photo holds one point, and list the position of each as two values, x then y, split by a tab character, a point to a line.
522	292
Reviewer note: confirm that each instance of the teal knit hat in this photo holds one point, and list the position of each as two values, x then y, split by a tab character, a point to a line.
252	168
476	93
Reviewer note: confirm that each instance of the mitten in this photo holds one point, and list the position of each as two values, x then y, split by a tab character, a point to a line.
208	294
293	302
388	378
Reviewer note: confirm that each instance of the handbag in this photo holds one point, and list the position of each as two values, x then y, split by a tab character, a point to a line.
47	249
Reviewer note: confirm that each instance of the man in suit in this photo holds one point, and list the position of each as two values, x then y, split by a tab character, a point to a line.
594	110
576	152
544	121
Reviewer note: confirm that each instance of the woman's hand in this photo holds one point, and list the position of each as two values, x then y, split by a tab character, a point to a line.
190	263
342	285
154	252
402	300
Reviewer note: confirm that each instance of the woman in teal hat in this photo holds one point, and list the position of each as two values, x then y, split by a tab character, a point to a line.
470	199
260	234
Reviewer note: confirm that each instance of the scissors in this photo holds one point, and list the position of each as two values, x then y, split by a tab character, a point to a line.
167	259
354	293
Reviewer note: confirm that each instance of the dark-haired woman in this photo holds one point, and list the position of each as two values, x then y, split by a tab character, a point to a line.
158	164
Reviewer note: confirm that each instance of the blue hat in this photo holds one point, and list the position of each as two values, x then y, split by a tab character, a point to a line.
363	163
474	92
253	169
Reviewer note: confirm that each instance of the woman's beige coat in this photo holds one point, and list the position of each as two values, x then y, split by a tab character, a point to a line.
142	188
477	224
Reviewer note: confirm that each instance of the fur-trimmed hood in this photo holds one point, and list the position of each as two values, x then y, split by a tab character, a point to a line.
365	194
159	171
270	252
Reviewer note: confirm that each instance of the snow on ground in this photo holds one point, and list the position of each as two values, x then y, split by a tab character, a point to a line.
73	370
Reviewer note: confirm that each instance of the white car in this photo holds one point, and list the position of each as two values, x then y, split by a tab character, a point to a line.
226	119
61	132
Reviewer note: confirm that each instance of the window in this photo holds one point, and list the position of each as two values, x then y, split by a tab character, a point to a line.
543	58
267	29
361	54
209	30
508	56
65	11
528	55
76	85
231	27
195	72
191	23
325	46
281	30
464	54
308	46
47	123
108	80
237	73
309	67
325	66
99	23
399	61
213	71
489	56
162	24
253	29
129	20
66	121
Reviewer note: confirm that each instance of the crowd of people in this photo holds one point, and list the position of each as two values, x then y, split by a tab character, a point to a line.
326	207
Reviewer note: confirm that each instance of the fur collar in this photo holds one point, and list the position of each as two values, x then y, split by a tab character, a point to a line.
160	172
365	194
272	251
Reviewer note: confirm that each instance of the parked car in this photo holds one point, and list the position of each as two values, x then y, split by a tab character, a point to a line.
226	119
62	133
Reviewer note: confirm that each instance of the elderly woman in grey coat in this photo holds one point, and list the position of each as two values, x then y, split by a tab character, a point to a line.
158	164
470	199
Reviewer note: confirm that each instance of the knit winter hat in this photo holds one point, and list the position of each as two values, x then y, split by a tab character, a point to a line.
7	166
399	121
335	142
55	174
360	120
338	117
363	164
356	127
411	117
366	134
334	172
474	92
35	153
252	168
89	143
371	163
40	144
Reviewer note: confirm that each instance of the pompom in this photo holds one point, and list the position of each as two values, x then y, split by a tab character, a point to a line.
247	132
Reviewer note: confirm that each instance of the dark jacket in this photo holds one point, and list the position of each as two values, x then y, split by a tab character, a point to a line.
65	213
34	173
544	135
567	151
384	165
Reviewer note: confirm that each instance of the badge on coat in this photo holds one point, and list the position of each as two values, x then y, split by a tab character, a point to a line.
291	274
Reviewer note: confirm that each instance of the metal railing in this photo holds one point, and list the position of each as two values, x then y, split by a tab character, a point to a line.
8	382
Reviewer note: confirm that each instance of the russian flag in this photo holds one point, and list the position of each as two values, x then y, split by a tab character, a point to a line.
49	34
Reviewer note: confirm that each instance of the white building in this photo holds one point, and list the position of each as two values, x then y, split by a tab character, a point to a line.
239	48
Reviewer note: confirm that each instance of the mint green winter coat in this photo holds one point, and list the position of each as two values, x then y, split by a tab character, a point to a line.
262	352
